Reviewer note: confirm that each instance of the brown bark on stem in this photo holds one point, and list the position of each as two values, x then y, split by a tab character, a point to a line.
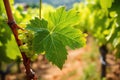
14	27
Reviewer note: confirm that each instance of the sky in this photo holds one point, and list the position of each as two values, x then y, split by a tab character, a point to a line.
55	3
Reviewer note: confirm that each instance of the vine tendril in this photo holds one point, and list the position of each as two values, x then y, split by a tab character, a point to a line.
40	9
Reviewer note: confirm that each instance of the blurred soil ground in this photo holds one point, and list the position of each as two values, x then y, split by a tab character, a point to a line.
73	69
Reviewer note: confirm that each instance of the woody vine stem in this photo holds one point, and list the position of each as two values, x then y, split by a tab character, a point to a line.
30	75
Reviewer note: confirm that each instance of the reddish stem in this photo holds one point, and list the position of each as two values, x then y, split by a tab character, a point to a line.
14	27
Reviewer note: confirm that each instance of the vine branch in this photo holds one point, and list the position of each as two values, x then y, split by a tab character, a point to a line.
14	27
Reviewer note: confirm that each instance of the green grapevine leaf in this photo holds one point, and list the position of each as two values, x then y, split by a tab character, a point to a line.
53	36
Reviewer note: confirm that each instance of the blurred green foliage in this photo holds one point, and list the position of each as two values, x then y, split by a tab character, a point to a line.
91	73
8	47
100	18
